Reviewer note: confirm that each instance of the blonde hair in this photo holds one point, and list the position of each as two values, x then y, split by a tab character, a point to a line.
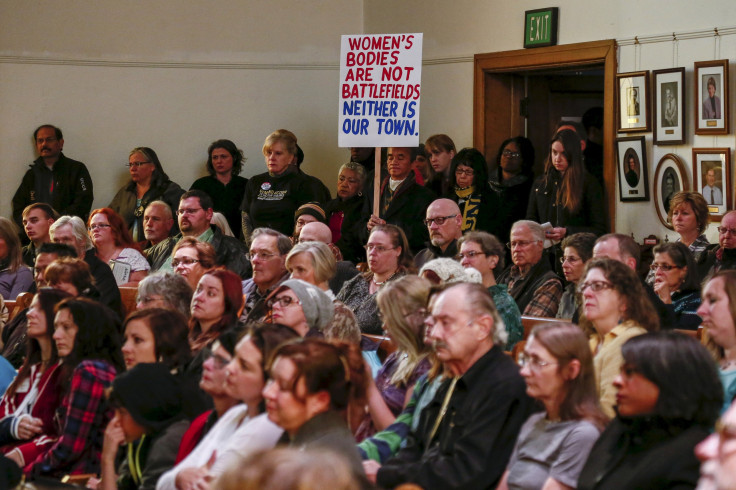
322	258
283	136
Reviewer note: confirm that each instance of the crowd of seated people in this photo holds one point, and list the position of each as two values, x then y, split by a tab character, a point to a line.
448	361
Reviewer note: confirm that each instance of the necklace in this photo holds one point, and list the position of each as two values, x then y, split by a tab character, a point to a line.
382	282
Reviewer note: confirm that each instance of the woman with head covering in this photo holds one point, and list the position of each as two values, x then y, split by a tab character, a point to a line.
224	184
15	276
301	306
148	182
116	247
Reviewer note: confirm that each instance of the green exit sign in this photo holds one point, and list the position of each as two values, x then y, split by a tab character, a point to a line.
540	27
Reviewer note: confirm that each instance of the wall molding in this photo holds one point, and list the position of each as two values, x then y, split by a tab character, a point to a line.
676	36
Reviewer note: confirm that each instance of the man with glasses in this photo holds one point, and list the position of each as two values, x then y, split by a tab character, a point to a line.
467	431
722	257
444	224
402	202
532	282
53	178
268	250
195	213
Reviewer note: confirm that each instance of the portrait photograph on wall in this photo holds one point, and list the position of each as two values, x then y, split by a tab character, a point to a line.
711	177
633	180
633	101
669	101
711	97
669	179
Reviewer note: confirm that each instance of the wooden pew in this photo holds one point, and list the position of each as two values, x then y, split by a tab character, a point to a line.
528	322
22	301
128	296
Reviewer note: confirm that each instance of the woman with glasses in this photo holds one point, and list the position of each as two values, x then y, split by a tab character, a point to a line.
389	258
676	282
301	306
192	259
216	305
668	398
577	250
470	189
148	182
718	311
567	195
403	306
553	445
116	247
615	308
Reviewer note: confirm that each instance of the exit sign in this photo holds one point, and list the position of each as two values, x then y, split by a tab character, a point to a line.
540	27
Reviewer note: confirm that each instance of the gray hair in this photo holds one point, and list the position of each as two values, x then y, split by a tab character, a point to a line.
165	205
480	302
323	260
79	229
357	168
283	242
535	228
173	288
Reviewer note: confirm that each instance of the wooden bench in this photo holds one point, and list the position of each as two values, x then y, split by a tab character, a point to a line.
128	296
21	302
528	322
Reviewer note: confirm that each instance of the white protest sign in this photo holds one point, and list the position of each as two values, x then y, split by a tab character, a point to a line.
380	83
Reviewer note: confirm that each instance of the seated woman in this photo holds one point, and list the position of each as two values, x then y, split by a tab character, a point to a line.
668	399
485	253
615	308
192	258
314	262
216	304
312	385
244	428
553	445
718	311
344	212
116	247
577	250
301	306
389	258
403	306
28	406
71	275
15	276
224	184
470	190
148	183
676	282
149	421
164	290
88	342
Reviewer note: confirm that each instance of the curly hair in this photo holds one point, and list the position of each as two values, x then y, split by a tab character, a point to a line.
235	152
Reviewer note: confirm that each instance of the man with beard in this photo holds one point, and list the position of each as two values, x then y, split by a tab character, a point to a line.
444	222
195	213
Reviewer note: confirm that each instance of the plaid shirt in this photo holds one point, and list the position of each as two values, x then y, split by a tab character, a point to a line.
83	416
546	299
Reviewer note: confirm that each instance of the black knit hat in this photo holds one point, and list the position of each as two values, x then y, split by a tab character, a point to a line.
312	208
151	394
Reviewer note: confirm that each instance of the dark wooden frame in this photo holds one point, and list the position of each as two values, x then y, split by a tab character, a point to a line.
657	97
725	111
681	170
716	212
641	153
622	80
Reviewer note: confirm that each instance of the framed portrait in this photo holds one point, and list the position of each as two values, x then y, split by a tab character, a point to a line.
711	97
711	177
633	180
669	179
633	101
669	105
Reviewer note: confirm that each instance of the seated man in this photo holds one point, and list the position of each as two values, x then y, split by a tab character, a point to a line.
532	282
158	220
195	213
320	232
268	250
310	212
444	223
724	256
403	202
466	433
37	219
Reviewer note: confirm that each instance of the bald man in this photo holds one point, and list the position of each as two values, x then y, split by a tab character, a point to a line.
444	223
320	232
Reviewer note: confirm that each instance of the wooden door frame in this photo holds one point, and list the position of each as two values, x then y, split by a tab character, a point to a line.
566	56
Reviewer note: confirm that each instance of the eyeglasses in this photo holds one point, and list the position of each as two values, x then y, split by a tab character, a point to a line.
664	267
460	171
136	164
188	211
596	286
471	254
572	260
148	299
283	301
96	226
511	154
262	255
378	248
520	244
439	220
219	361
534	362
723	230
183	261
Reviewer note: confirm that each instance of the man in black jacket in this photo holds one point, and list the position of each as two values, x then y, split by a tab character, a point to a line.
195	213
53	178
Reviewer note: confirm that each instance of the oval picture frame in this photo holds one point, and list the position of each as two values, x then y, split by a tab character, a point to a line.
670	178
